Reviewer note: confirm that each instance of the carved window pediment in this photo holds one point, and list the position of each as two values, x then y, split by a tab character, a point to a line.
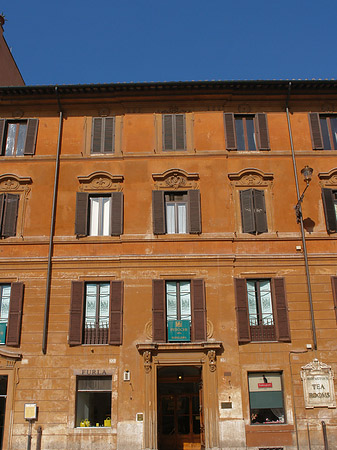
251	178
12	183
328	179
176	179
101	181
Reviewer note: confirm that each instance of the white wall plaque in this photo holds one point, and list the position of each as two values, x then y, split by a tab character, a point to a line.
318	386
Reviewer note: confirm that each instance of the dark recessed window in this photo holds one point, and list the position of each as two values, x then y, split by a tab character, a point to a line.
18	137
93	401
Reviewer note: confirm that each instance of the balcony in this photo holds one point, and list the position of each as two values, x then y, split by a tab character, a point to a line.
96	334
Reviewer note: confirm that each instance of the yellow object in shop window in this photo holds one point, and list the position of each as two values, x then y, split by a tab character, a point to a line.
107	422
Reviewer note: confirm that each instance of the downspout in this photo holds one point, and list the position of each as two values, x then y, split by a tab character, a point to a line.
305	253
52	228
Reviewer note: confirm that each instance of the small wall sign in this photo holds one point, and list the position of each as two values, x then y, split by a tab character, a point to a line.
178	330
318	385
30	411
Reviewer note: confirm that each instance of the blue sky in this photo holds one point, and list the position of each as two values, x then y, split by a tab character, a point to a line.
107	41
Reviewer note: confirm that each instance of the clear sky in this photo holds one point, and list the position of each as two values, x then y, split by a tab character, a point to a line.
107	41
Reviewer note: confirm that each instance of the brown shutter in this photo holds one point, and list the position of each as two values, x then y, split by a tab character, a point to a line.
242	315
10	215
247	211
262	131
230	133
32	125
168	132
2	135
2	207
116	313
82	211
158	212
116	213
329	210
199	326
96	135
15	315
109	134
282	322
260	211
180	132
334	292
316	133
76	313
194	211
158	311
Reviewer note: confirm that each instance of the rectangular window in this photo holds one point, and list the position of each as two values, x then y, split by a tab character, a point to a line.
18	137
253	211
260	309
9	206
323	129
329	197
266	398
93	401
178	310
176	213
97	311
103	135
174	132
246	132
100	216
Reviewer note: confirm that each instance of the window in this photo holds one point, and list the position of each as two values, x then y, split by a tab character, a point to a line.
96	313
329	197
334	292
176	213
99	215
93	401
18	137
253	211
174	132
323	129
11	300
9	205
266	398
179	311
261	309
103	135
246	132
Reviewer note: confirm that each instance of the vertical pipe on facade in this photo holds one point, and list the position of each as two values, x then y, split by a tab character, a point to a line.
305	253
52	227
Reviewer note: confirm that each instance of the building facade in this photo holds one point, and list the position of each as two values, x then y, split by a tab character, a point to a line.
9	72
158	289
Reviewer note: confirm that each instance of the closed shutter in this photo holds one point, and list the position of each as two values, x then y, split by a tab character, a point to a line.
230	133
15	315
282	322
116	213
96	135
10	215
180	138
168	132
242	315
76	313
262	131
260	211
329	210
334	292
2	135
32	125
247	211
82	211
158	311
198	311
2	207
316	133
116	313
194	211
158	212
109	135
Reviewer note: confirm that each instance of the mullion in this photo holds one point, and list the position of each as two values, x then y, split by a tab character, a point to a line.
258	302
244	123
178	302
97	305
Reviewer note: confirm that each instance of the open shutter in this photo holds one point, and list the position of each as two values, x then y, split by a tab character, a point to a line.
199	311
32	125
109	135
158	311
230	133
116	313
194	211
10	215
158	212
116	213
168	132
281	320
76	313
262	131
260	211
2	207
180	139
82	211
247	211
329	210
334	292
242	315
15	315
2	135
316	133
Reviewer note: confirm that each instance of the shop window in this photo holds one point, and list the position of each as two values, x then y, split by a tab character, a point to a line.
266	398
323	129
93	401
253	211
103	135
174	132
246	132
329	197
18	137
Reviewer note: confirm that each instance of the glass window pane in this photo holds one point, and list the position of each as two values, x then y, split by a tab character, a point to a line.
181	217
325	133
5	299
10	142
104	305
183	424
252	303
21	139
90	304
94	214
266	303
171	300
240	136
250	133
106	216
170	218
333	123
185	300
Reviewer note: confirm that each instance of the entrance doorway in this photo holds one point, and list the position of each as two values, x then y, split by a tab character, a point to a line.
180	424
3	397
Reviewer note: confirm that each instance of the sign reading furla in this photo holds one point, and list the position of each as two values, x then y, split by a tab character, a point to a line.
318	385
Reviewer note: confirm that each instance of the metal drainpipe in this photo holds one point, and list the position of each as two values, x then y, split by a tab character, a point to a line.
52	227
305	253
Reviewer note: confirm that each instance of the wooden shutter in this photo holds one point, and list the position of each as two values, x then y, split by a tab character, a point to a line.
159	325
15	315
281	312
329	210
10	215
260	211
2	135
180	132
199	326
82	211
76	313
262	131
316	132
116	213
194	211
241	301
247	211
116	313
230	133
2	207
158	212
334	292
168	132
32	125
109	134
96	135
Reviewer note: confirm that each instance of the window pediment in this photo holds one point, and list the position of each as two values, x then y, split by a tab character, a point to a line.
101	181
251	177
176	179
328	179
12	183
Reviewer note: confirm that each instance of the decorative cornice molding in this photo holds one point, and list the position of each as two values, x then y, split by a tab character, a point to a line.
13	183
251	177
328	179
176	179
101	181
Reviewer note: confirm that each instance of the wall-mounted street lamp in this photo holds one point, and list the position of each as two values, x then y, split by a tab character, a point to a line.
307	173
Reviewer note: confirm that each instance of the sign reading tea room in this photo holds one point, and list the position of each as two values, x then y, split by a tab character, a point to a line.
318	385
